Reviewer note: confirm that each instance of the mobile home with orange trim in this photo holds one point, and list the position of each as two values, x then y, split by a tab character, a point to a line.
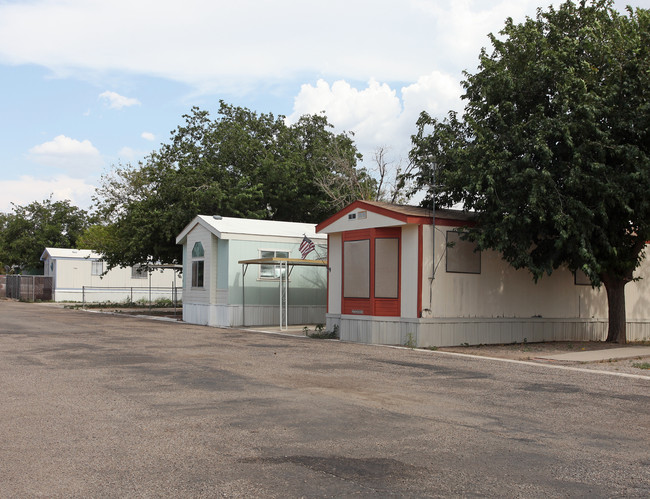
398	275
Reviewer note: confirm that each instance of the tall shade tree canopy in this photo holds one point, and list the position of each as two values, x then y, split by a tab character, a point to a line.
241	164
25	233
552	149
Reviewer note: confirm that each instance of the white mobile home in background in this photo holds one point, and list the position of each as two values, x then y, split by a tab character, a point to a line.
78	276
218	290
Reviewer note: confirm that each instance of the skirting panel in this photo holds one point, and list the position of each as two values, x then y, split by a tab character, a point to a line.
459	331
253	315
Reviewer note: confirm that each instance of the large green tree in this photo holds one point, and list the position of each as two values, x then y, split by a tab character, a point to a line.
28	230
552	150
240	164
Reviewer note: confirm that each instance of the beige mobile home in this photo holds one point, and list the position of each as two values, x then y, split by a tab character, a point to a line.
79	275
392	282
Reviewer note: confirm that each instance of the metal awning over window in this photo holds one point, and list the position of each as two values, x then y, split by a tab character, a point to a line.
286	267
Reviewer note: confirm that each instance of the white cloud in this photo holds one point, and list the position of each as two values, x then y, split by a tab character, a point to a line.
365	112
436	93
148	136
27	189
379	115
76	157
257	43
117	101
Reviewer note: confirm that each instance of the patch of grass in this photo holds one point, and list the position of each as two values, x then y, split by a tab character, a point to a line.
432	348
641	365
410	341
321	334
140	303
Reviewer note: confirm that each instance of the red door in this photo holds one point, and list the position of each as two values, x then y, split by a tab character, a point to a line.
371	272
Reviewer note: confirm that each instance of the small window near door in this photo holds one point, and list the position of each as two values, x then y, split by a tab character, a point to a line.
461	255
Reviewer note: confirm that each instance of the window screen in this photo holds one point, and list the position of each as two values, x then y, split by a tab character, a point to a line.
461	256
138	272
356	269
97	267
271	271
387	268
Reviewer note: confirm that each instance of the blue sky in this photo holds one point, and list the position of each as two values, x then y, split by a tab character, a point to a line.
88	84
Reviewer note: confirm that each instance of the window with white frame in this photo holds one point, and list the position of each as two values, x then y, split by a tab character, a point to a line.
462	256
198	265
271	271
197	273
138	272
97	267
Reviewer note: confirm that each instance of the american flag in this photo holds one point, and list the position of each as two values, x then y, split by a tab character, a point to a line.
306	247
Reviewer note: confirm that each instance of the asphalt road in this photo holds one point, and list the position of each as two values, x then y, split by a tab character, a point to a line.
104	406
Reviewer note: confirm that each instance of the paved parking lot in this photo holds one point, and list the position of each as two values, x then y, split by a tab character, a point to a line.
106	406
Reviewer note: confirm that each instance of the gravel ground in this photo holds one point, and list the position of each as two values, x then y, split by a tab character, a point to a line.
99	405
516	351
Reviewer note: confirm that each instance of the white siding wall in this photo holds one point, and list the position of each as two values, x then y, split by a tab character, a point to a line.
256	315
501	291
372	221
200	295
212	268
409	269
335	273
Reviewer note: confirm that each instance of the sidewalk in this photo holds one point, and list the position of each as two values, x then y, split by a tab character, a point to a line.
599	355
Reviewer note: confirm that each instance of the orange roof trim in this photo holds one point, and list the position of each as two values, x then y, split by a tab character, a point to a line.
404	213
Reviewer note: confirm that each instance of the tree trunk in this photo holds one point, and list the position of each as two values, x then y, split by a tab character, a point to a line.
615	288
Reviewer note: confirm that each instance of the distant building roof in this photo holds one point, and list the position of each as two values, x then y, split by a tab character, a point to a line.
70	253
232	228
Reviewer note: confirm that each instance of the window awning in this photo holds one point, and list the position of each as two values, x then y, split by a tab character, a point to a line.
287	261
